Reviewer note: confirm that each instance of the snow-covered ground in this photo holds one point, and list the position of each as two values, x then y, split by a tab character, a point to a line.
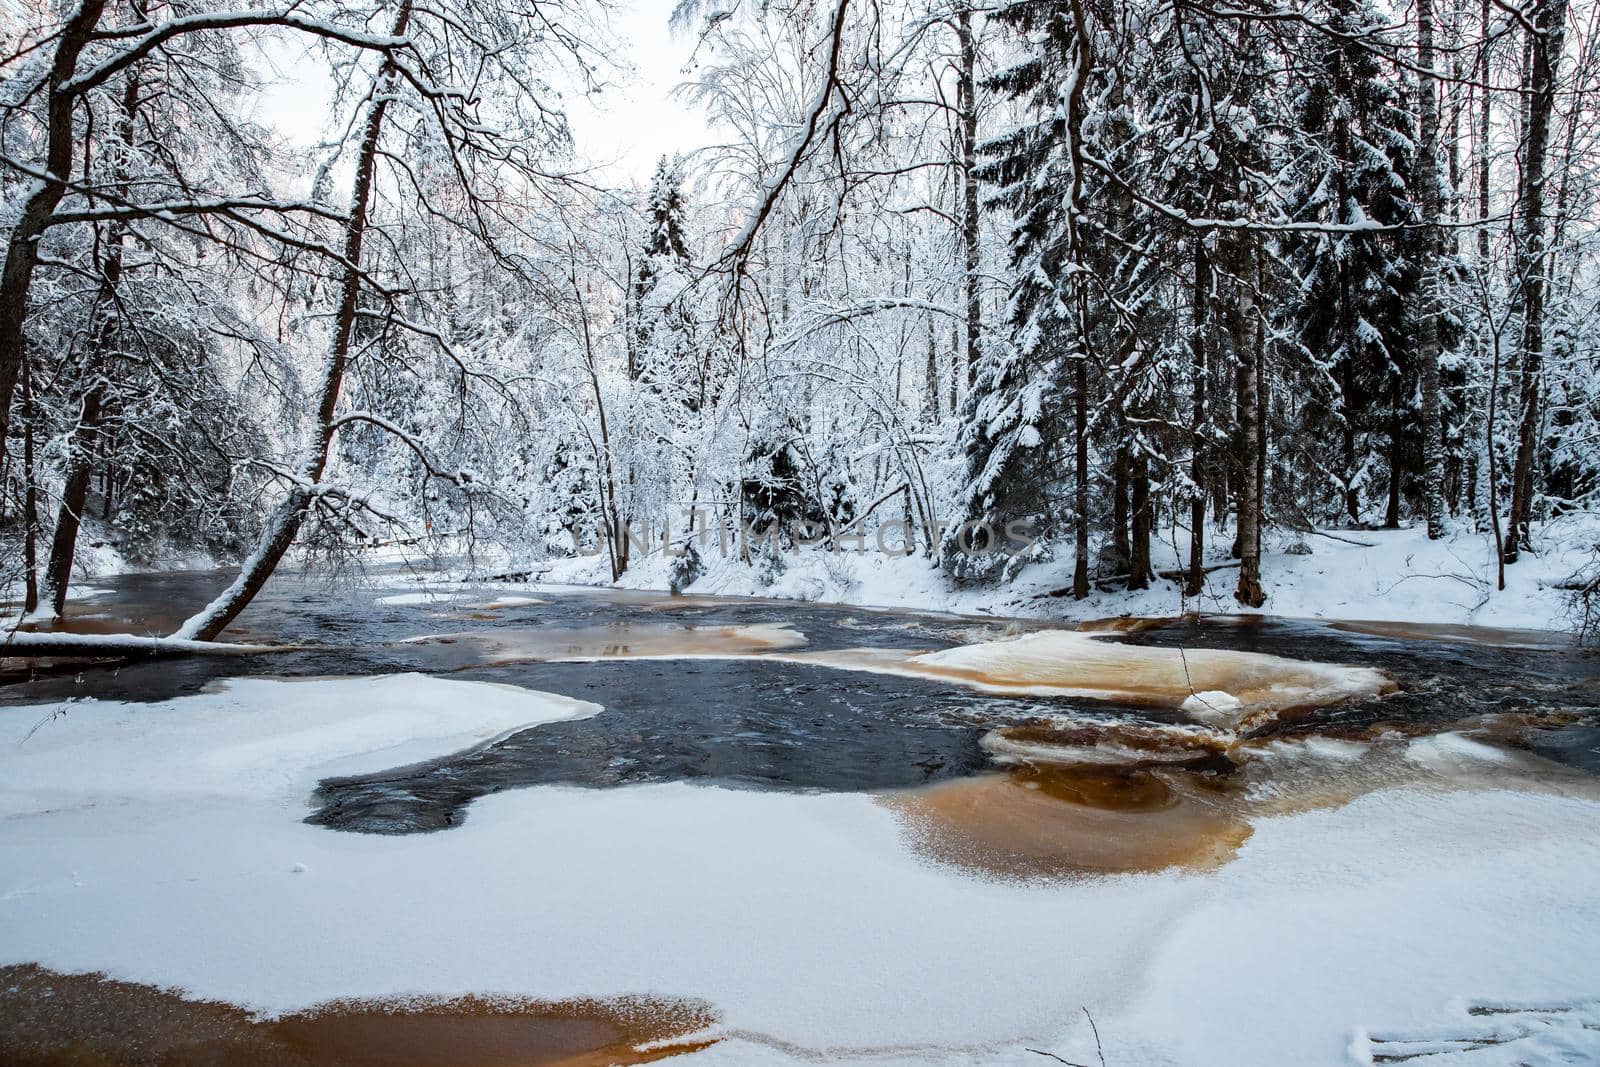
162	843
1388	575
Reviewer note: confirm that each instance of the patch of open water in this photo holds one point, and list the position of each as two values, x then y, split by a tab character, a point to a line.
788	720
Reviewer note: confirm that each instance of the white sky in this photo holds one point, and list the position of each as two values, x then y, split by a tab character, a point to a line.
622	132
638	119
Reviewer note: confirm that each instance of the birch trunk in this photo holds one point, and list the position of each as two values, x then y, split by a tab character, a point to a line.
967	104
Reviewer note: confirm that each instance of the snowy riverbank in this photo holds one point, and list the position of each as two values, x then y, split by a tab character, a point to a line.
1388	575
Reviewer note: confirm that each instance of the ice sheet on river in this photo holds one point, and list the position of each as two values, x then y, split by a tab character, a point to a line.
163	843
1219	687
619	640
252	736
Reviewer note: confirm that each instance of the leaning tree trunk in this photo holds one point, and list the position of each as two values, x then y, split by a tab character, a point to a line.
283	525
42	196
1433	459
74	496
1544	53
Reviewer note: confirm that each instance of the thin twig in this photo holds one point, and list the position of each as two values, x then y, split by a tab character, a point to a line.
1098	1050
55	713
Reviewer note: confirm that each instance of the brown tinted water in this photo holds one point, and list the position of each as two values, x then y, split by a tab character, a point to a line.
48	1019
1044	821
1171	802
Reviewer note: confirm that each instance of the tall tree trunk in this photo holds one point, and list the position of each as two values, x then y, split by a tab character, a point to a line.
1545	43
1263	409
967	104
953	398
30	501
1397	432
1080	435
1428	322
1083	59
85	439
1347	442
1494	474
283	525
1247	339
1119	505
1139	569
1199	299
42	196
1481	148
1240	456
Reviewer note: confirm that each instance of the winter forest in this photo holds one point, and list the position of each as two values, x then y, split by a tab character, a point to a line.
765	533
1128	289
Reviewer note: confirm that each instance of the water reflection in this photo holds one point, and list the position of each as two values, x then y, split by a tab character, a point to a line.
48	1019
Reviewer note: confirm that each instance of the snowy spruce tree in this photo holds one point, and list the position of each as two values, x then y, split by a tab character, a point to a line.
1027	396
662	349
1348	319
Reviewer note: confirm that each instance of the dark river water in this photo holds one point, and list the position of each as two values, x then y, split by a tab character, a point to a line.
758	723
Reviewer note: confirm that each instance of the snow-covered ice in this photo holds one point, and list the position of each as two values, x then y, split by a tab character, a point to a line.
162	843
1219	687
426	596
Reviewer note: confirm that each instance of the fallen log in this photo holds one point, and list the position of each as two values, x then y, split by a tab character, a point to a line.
509	576
26	644
1179	573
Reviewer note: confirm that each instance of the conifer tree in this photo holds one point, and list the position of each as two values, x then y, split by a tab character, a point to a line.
1348	321
1018	403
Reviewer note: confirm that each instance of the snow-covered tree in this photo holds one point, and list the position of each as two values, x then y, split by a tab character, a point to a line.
1348	321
